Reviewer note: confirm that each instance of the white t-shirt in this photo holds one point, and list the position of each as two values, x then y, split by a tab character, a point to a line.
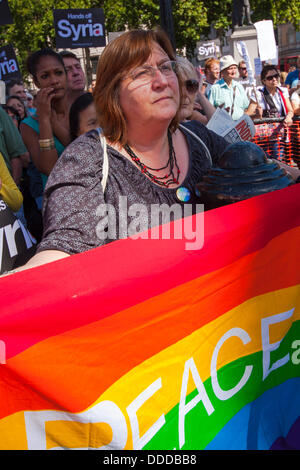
295	98
276	98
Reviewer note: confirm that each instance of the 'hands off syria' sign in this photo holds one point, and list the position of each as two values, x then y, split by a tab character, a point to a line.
207	49
79	28
5	14
9	67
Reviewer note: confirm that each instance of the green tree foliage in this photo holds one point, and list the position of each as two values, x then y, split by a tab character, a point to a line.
190	19
132	13
33	19
219	13
33	25
285	11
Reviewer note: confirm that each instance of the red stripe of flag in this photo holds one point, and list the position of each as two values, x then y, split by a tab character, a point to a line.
109	279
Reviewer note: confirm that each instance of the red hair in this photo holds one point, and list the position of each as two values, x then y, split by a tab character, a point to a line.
210	62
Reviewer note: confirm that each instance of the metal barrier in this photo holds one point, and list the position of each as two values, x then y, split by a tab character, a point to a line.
279	142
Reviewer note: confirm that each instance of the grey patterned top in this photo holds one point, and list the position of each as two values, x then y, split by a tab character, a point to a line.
75	211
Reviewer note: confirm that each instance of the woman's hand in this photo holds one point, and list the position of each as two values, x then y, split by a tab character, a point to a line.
288	121
258	112
197	106
43	102
254	110
294	172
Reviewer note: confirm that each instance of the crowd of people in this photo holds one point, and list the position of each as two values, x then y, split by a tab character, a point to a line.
57	110
139	132
277	97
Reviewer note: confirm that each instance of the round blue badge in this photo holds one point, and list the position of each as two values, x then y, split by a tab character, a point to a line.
183	194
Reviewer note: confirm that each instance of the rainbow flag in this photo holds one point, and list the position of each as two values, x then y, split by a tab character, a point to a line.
143	344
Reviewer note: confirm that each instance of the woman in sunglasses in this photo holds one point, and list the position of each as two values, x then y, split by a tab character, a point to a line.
194	105
272	101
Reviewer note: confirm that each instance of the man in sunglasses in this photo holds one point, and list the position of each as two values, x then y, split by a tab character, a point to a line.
243	78
243	72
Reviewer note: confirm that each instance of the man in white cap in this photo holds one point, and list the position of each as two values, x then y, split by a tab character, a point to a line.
227	93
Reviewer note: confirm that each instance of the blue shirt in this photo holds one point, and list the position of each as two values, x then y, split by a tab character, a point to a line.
233	97
294	75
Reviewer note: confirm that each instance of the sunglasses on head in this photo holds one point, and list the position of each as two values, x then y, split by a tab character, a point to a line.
270	77
191	85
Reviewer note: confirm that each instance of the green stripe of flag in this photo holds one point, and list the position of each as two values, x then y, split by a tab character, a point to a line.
201	428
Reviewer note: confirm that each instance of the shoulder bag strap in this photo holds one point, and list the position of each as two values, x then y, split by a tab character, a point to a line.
273	111
105	159
207	152
283	101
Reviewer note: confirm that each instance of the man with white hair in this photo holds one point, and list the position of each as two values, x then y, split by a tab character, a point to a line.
228	93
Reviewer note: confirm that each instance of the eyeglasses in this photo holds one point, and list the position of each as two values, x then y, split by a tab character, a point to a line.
191	85
270	77
243	68
147	72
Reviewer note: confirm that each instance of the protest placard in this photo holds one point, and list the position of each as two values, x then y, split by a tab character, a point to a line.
243	51
208	49
9	67
16	243
232	131
2	92
258	66
266	40
79	28
5	14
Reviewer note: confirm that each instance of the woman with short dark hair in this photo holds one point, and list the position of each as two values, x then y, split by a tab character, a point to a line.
83	116
15	102
272	99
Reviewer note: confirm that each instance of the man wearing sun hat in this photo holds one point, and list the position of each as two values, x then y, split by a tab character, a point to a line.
227	93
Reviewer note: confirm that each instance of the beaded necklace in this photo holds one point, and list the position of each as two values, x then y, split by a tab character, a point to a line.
171	163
